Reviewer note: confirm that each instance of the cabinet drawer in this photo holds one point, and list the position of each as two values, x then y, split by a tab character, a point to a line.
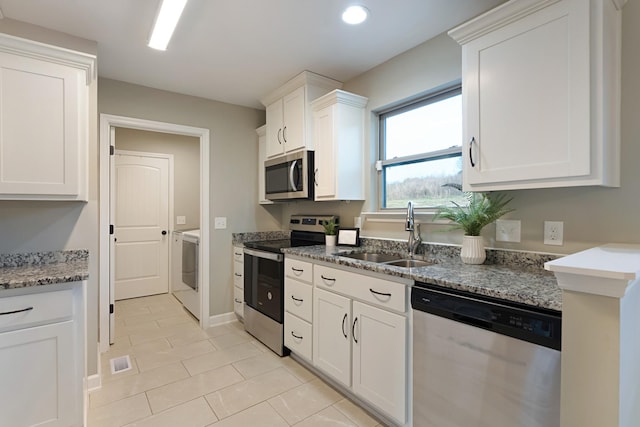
238	254
298	298
238	301
23	311
380	292
297	336
238	274
297	269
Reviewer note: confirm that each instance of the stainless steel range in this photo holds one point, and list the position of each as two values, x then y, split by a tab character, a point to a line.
264	279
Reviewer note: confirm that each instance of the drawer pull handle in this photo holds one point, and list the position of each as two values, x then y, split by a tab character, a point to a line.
238	301
353	330
238	254
329	279
383	294
296	336
16	311
297	270
238	275
344	319
296	299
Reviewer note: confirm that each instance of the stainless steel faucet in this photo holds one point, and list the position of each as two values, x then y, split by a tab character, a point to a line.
413	241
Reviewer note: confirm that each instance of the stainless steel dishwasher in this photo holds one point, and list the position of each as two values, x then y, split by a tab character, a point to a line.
481	362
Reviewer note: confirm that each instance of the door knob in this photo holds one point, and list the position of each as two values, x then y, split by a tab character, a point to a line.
164	232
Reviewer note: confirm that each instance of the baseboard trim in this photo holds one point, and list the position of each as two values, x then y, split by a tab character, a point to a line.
221	319
94	382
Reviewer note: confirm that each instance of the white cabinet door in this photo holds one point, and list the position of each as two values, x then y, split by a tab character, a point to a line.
39	381
43	129
338	133
533	88
380	359
332	335
293	131
325	160
275	119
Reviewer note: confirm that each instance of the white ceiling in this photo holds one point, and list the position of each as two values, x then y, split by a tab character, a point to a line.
237	51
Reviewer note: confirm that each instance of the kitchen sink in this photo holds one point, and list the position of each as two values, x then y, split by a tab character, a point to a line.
409	263
372	256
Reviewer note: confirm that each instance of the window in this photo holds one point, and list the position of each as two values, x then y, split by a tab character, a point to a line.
421	151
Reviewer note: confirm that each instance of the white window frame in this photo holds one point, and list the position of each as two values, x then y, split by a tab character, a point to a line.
441	93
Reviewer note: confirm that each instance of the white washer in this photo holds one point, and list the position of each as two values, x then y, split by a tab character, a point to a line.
187	290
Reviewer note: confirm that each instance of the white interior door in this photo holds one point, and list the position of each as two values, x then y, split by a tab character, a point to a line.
141	225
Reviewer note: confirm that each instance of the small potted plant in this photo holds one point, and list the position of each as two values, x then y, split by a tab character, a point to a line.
330	231
483	209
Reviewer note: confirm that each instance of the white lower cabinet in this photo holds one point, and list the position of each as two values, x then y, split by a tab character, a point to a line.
332	335
42	359
379	358
359	341
298	306
238	281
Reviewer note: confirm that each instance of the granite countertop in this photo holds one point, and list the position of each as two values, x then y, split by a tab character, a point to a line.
508	275
43	268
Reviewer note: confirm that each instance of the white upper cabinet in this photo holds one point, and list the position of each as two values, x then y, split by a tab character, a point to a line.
541	95
44	114
338	132
289	115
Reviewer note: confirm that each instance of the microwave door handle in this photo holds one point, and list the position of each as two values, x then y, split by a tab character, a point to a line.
291	171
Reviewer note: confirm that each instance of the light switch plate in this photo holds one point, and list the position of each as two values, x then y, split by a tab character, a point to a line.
181	220
508	230
220	222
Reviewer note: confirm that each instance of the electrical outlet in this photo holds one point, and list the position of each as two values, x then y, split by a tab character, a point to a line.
181	220
553	232
220	222
508	230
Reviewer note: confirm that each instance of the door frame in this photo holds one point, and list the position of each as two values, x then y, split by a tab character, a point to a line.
170	210
107	122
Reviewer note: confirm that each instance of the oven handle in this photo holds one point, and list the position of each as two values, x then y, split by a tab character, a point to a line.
264	254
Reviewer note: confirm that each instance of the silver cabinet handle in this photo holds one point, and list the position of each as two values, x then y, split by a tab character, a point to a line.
315	177
284	134
279	140
473	165
16	311
296	299
296	336
238	301
297	270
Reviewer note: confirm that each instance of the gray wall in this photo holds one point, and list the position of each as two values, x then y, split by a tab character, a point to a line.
591	215
186	168
51	226
233	171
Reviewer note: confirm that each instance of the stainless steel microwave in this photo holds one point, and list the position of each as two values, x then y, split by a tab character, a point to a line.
290	176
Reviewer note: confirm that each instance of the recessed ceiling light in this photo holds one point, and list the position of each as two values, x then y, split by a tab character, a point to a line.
166	22
355	15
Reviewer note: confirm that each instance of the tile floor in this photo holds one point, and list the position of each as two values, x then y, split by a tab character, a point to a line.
222	377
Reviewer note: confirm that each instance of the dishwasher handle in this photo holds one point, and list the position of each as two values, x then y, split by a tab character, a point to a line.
472	321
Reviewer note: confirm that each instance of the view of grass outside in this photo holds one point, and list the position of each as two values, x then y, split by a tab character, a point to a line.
411	136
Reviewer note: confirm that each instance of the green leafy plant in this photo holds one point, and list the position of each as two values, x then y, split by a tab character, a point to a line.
330	227
483	209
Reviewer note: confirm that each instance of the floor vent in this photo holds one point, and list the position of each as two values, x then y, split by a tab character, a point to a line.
120	364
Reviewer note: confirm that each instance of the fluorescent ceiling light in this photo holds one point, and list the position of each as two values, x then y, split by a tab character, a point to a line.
166	22
355	15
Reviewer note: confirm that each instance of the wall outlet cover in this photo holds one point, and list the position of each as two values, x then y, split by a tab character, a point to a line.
508	230
181	220
220	222
553	233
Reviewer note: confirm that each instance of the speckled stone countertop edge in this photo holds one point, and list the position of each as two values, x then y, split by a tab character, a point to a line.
521	283
43	268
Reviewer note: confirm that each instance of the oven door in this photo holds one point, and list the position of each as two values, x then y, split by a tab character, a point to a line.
264	282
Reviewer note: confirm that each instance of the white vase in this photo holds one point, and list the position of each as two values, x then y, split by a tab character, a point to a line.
473	251
330	240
